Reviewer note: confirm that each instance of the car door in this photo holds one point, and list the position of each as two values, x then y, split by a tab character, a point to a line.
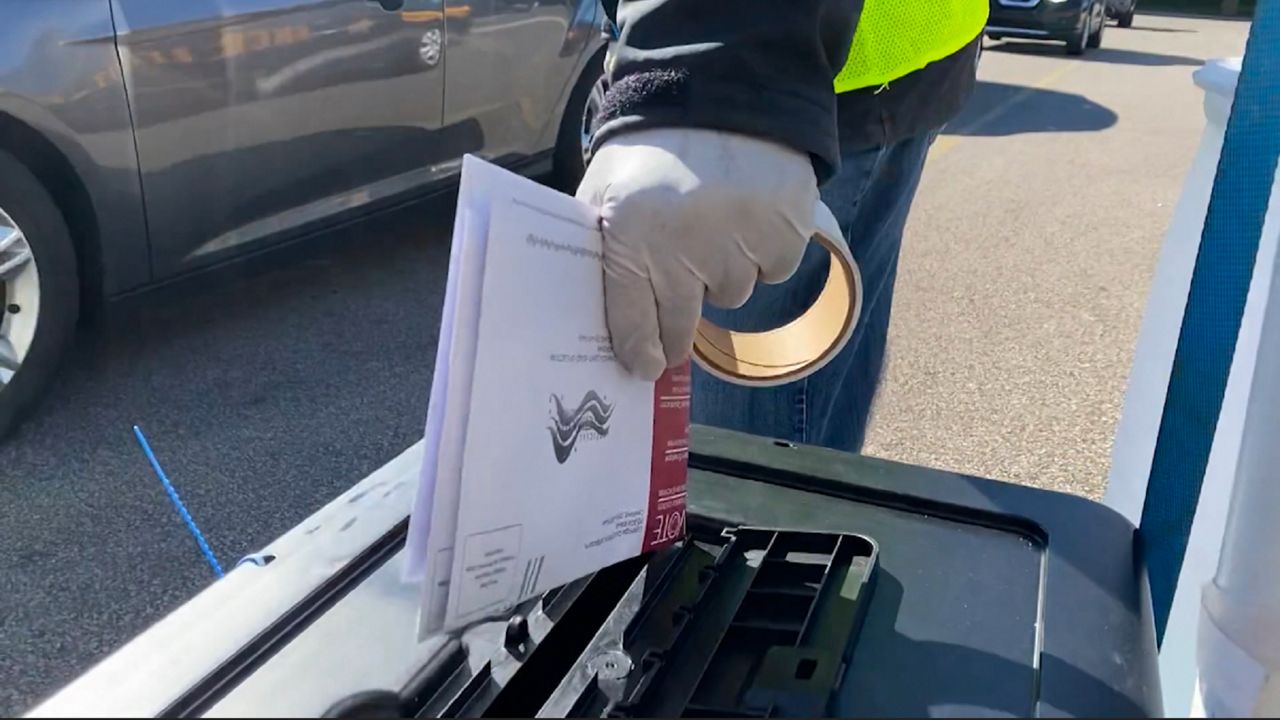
257	120
511	62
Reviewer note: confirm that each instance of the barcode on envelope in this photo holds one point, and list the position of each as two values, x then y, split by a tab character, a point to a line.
532	573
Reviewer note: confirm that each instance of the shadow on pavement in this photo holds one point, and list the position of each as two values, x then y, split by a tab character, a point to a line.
1151	28
1114	56
991	112
1245	14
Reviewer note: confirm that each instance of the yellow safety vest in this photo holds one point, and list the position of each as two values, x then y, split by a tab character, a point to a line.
897	37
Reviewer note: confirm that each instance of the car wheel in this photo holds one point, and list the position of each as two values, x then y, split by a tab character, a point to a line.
574	138
39	289
1077	44
1126	18
1095	37
431	47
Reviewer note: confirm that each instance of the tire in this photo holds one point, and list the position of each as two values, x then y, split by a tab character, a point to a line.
1126	19
431	47
1095	38
569	162
29	206
1077	43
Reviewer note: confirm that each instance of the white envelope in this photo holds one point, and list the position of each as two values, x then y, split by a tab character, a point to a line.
545	460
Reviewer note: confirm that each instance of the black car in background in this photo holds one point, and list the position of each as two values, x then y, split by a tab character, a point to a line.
1078	23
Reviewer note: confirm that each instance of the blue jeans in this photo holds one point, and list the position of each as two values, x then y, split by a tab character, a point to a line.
870	197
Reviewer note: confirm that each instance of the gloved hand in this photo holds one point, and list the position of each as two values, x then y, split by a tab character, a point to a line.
688	214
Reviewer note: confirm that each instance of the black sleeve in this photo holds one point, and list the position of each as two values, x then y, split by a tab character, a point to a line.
759	67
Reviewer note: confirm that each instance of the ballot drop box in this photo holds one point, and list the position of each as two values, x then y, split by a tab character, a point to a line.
810	583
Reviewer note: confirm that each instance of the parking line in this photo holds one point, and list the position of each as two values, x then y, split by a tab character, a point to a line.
948	142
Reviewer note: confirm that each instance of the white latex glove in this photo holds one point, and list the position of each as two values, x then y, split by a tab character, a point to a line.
688	213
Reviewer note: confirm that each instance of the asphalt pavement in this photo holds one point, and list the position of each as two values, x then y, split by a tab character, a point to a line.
266	391
263	394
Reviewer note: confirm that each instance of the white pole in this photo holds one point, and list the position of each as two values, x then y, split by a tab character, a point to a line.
1239	635
1149	379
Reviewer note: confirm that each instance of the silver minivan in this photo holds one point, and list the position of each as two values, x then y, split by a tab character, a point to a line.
143	140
